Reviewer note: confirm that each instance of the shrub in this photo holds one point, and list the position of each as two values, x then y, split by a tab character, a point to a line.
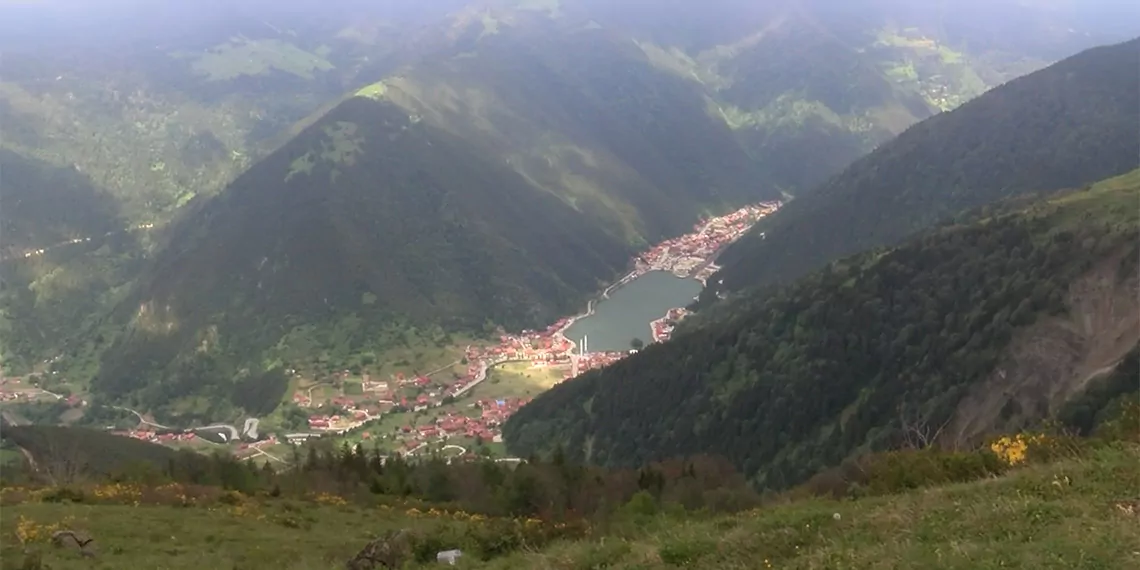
681	552
231	498
896	471
65	495
602	555
1122	423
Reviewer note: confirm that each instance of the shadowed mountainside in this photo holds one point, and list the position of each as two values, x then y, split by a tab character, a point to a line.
491	189
788	381
1062	127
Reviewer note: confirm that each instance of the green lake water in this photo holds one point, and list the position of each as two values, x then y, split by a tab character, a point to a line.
629	310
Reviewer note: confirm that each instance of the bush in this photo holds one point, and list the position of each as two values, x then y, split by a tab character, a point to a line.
682	552
896	471
231	498
901	470
1122	423
602	555
65	495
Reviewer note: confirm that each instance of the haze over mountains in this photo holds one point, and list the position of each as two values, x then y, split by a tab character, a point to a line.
1086	107
339	182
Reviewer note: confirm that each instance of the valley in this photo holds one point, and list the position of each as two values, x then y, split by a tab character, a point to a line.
466	400
569	284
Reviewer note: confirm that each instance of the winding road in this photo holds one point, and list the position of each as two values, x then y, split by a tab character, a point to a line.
479	377
142	420
38	252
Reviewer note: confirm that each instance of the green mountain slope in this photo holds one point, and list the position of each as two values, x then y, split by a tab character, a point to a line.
117	115
68	286
1062	127
637	114
970	328
811	85
465	192
159	103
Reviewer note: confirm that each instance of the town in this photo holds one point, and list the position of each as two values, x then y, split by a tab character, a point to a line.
443	409
689	256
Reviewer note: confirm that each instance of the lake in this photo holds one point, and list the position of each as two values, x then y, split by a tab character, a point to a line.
629	310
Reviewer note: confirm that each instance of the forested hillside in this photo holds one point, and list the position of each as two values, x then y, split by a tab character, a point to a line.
1062	127
637	116
117	114
409	214
1028	303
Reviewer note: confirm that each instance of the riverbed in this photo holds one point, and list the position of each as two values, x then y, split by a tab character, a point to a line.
626	314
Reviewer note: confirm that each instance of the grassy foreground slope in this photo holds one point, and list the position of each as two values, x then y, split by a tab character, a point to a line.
1062	515
982	326
1065	126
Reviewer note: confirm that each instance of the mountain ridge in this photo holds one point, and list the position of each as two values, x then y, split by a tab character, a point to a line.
859	211
643	139
788	381
411	206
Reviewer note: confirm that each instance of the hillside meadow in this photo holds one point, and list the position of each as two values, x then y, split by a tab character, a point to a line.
1027	501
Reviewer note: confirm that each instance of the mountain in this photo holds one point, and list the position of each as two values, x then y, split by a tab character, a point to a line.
494	187
1064	126
155	108
811	85
160	103
117	115
68	286
972	328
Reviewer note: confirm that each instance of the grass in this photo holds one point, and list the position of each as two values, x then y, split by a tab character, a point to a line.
10	457
509	380
271	535
517	380
373	91
1051	516
1112	199
341	146
242	57
1061	515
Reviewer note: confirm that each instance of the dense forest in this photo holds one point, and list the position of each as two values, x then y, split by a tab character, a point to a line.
789	380
1070	124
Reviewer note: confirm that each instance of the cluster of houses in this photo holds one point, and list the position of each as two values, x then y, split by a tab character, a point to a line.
688	254
544	347
155	437
663	328
250	449
595	360
7	396
485	427
685	254
15	389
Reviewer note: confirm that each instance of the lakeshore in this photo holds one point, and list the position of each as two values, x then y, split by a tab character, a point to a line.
463	404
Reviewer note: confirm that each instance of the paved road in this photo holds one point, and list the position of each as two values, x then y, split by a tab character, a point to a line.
479	377
45	249
250	428
233	431
142	420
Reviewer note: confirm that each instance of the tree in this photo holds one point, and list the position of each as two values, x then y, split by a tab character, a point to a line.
637	344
